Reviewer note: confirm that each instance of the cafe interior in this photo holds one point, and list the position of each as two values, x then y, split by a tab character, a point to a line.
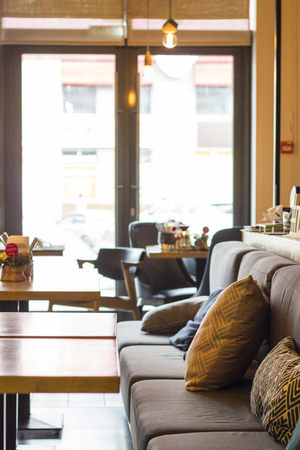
250	48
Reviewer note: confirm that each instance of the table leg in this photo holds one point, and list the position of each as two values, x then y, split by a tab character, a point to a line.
11	421
8	425
2	422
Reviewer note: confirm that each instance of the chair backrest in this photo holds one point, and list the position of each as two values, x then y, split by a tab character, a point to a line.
142	234
226	234
159	274
108	261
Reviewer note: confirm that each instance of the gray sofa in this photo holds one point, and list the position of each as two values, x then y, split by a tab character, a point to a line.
162	413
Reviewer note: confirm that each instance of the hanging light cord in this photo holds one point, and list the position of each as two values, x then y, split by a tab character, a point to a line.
148	25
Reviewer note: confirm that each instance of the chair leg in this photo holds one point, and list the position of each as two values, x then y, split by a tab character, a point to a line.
96	306
130	287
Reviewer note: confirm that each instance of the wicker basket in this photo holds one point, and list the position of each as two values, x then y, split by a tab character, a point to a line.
17	273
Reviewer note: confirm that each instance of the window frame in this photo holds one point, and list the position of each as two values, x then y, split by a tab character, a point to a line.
127	129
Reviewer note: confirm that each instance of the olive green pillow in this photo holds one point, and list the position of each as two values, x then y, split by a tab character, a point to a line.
275	393
228	338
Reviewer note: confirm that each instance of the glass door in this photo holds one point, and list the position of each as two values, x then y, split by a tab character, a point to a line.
68	145
186	141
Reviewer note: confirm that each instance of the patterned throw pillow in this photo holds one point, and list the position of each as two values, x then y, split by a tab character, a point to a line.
275	394
228	338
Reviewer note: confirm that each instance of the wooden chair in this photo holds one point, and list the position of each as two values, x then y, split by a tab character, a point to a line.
161	281
119	264
226	234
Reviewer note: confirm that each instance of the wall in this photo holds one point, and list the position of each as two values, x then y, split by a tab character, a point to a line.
1	140
262	108
290	96
263	103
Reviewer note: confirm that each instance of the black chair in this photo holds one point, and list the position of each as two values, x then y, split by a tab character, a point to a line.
119	264
161	281
227	234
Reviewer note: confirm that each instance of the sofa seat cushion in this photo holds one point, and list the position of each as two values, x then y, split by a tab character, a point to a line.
160	407
233	440
142	362
129	333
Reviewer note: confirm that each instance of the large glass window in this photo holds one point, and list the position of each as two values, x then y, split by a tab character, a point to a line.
68	139
186	141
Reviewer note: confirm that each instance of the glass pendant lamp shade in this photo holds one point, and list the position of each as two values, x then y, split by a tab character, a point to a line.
169	29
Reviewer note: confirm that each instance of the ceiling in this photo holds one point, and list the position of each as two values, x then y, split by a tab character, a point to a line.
124	22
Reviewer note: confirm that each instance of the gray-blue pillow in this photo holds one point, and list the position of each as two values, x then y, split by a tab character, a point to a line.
183	338
294	443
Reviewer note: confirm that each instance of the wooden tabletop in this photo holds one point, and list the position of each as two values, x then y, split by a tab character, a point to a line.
54	278
154	251
57	325
53	250
58	365
57	250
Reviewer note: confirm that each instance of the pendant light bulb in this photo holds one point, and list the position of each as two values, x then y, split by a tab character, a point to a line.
148	70
169	40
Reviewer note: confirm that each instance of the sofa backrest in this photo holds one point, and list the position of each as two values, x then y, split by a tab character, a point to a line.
225	262
285	305
262	265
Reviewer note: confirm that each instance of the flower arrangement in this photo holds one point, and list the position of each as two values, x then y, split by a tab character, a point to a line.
201	241
21	259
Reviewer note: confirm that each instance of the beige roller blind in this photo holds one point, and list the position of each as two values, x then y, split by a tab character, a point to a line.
79	22
105	22
189	9
91	9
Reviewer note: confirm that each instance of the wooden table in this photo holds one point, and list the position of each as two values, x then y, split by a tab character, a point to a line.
54	250
60	361
155	252
57	250
58	325
54	278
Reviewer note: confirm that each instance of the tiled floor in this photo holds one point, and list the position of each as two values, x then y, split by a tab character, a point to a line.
90	422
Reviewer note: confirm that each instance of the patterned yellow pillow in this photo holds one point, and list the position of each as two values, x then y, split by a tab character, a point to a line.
275	394
228	338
